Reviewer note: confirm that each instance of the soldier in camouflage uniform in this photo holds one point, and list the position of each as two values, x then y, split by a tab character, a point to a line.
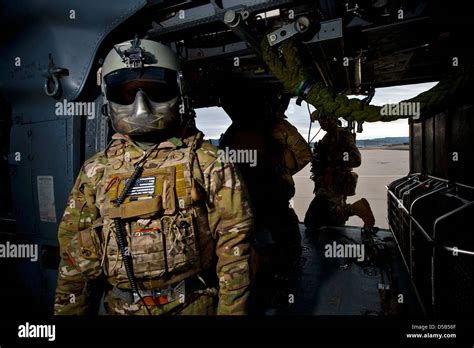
260	125
334	157
281	153
156	215
329	205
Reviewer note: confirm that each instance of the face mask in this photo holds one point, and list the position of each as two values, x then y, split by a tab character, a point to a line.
142	101
143	116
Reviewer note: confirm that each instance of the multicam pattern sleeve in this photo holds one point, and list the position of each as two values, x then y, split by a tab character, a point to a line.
230	222
341	149
73	284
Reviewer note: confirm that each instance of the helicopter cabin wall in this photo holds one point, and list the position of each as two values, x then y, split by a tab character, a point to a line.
441	145
429	211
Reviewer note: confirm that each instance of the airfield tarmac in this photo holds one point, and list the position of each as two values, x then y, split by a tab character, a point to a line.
379	168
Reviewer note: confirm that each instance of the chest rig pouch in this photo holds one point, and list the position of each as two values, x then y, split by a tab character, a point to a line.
163	225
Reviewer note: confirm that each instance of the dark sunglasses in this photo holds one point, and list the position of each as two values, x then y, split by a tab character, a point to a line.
159	85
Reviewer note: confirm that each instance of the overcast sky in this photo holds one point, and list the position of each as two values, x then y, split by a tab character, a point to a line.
214	121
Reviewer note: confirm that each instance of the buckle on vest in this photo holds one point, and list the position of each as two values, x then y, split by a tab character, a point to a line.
152	300
161	296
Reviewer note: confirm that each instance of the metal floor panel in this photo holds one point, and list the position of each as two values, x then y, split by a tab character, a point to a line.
342	286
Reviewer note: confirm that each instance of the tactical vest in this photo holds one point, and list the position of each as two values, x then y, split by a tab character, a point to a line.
166	223
342	179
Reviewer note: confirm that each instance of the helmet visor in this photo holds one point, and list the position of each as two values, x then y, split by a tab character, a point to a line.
158	84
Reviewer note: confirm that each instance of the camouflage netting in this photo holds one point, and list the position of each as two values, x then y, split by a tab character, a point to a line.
291	72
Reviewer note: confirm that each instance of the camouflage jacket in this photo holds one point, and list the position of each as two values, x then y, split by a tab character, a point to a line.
225	211
296	151
338	154
339	149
